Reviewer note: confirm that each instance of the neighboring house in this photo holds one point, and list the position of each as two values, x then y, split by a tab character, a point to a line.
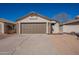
36	23
5	26
71	26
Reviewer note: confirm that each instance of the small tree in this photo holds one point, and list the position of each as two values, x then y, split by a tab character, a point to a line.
62	17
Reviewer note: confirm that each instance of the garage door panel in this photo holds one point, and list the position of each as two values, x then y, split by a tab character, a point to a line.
33	28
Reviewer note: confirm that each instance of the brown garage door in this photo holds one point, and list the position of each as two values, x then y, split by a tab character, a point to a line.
33	28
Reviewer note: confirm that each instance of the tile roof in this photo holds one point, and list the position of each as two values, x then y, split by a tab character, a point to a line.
71	21
6	21
32	14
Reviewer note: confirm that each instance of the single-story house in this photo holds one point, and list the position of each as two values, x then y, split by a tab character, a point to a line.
35	23
71	26
5	26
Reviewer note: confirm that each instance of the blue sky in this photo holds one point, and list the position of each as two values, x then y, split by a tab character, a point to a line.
13	11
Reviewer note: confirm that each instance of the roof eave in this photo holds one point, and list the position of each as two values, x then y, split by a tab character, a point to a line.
37	15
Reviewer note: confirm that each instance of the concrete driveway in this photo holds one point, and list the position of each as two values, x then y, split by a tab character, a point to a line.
27	44
39	44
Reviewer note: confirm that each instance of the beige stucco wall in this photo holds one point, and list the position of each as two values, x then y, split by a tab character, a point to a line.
56	28
71	28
